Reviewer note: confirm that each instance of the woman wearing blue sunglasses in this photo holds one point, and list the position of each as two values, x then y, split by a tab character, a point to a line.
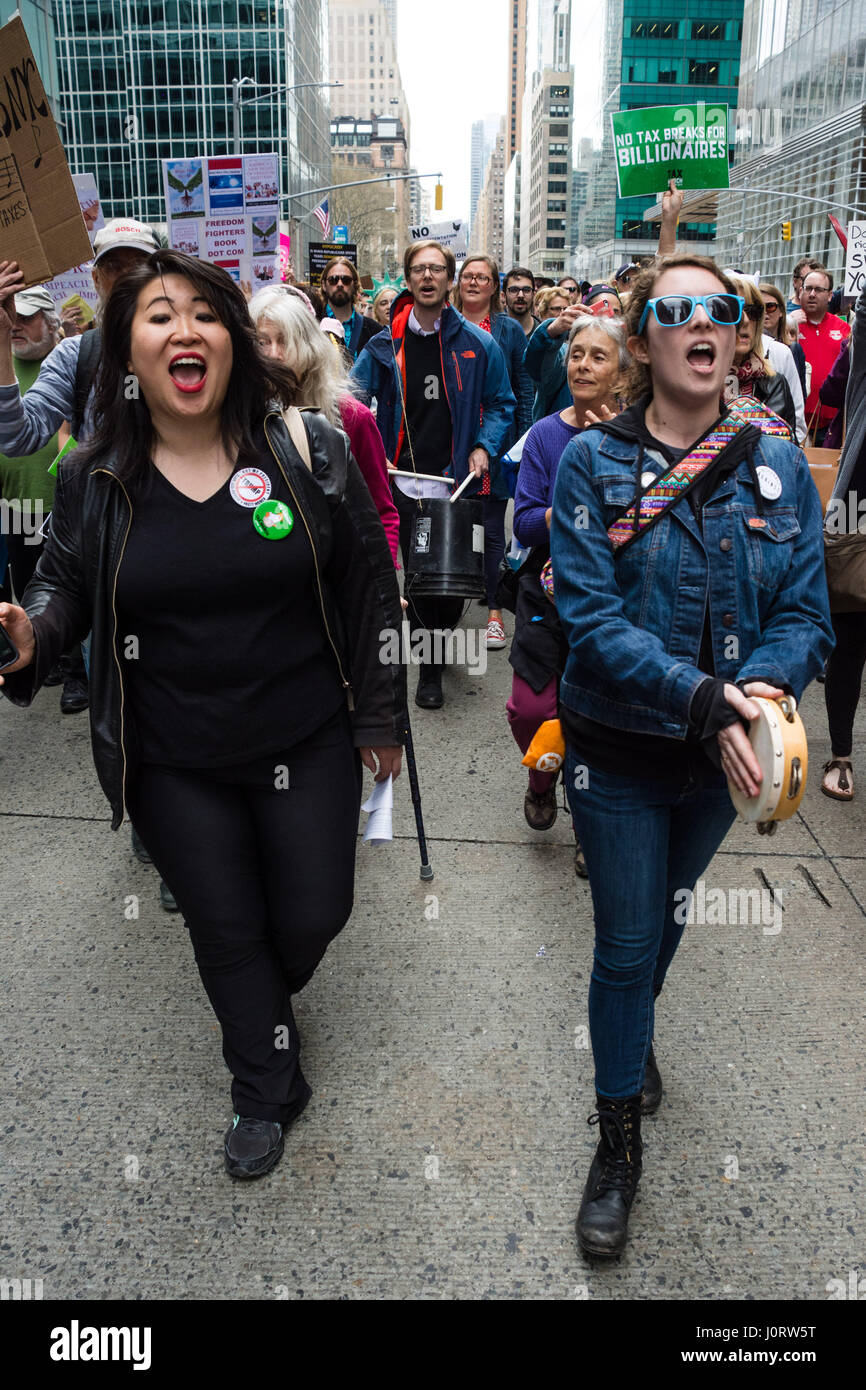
679	599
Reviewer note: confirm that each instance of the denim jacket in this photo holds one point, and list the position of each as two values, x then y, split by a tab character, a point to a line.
634	621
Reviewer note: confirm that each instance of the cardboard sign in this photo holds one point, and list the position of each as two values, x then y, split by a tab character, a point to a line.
40	220
320	252
450	234
660	143
855	260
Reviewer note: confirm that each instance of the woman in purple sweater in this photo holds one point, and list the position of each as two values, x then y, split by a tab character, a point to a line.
596	358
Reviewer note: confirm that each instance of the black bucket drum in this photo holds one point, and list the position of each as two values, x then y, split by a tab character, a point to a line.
446	552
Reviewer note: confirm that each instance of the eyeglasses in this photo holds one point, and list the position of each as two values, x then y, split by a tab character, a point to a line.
753	312
817	289
420	270
339	280
674	310
519	292
475	280
771	307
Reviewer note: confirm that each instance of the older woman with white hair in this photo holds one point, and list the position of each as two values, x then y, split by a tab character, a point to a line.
596	360
288	331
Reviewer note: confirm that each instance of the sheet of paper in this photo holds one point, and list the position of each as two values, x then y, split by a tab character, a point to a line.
380	805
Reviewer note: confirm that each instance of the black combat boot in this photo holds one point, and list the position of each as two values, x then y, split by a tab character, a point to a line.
602	1222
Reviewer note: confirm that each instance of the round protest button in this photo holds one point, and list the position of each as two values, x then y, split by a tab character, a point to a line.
273	520
249	487
769	482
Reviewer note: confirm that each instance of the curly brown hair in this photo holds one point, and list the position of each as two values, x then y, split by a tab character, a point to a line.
638	380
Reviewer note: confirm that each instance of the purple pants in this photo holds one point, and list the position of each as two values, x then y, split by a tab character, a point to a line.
526	712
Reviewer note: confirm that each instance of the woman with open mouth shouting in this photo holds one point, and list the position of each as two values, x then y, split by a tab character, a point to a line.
689	575
236	593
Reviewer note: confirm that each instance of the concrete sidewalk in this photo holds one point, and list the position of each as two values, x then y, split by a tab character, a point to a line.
445	1149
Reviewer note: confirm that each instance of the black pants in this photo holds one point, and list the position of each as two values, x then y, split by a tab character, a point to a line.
264	876
425	613
23	560
844	677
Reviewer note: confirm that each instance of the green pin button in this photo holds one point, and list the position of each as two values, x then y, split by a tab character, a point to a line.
273	520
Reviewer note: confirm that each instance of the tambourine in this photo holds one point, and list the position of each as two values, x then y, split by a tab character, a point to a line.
778	741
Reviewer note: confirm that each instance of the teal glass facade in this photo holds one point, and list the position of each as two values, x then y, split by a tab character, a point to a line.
677	51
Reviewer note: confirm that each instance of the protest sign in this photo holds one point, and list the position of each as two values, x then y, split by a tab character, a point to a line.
321	252
855	260
285	255
450	234
74	289
226	208
658	143
88	201
40	219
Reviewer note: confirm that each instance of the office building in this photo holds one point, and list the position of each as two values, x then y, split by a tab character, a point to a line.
487	229
516	78
657	55
484	133
141	82
363	56
378	217
511	213
801	129
546	131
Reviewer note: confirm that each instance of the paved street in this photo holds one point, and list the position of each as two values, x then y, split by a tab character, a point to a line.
446	1145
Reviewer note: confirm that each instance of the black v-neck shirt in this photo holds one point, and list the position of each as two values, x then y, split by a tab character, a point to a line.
221	639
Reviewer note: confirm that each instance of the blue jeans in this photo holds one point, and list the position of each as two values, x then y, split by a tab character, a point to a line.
643	840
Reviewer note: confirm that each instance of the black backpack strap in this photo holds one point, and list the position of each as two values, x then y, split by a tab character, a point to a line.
85	372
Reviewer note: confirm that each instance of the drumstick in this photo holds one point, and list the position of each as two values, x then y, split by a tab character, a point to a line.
470	478
426	477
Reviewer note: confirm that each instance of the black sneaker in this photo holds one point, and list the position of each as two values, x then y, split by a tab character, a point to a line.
252	1147
54	677
75	696
167	900
138	848
429	692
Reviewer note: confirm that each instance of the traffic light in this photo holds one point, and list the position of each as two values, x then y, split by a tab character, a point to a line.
786	231
438	202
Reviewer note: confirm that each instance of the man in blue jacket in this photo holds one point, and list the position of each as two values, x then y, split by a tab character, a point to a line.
444	407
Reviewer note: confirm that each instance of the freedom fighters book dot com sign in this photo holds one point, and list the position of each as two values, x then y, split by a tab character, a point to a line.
226	209
660	143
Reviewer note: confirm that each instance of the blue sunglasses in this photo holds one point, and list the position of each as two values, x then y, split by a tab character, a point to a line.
673	310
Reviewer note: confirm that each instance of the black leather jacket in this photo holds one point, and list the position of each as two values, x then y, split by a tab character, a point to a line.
72	592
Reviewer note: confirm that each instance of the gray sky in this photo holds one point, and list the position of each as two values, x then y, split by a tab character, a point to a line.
453	59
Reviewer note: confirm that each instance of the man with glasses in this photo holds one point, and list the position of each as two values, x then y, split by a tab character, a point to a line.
341	286
821	337
571	287
519	290
444	408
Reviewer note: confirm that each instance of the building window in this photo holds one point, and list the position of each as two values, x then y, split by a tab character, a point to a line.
667	75
654	29
708	29
555	243
556	187
705	74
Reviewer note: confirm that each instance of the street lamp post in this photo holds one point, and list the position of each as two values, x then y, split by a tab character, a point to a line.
238	82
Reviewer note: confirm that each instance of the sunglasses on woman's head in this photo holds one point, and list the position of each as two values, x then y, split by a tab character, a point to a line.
674	310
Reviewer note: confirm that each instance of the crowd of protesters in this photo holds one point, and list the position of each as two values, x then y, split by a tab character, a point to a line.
327	414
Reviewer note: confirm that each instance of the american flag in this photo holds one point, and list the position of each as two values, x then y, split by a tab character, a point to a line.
324	216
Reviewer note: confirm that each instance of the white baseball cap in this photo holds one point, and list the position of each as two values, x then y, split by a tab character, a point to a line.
30	302
123	231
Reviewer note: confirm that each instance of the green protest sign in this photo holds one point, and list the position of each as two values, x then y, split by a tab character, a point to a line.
660	143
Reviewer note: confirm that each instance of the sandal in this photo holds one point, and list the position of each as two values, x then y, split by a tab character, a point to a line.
844	787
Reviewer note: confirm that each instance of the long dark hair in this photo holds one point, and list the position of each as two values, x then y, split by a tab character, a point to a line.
123	427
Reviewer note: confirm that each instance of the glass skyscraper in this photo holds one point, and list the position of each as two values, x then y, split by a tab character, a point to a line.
800	130
658	53
144	80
